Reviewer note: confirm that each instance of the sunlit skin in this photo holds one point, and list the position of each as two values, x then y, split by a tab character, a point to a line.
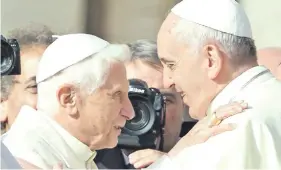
198	77
97	118
271	58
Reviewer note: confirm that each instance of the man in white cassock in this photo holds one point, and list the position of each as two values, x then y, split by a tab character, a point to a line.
209	55
82	104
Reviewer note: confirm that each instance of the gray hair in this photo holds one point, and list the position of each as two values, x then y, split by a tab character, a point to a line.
240	50
86	76
29	36
6	83
32	35
146	51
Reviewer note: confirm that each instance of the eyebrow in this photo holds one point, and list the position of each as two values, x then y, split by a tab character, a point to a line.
168	94
164	60
30	79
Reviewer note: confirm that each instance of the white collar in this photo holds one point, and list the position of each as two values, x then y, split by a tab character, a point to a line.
58	135
233	88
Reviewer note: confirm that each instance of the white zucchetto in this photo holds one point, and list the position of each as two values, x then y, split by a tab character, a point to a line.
66	51
223	15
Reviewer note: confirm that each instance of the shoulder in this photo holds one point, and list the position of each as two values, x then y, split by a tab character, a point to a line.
30	148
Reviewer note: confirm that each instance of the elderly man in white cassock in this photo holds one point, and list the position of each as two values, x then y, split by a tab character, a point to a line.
82	104
209	55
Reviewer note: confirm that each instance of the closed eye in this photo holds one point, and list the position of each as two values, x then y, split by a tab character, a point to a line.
32	89
170	66
32	86
117	94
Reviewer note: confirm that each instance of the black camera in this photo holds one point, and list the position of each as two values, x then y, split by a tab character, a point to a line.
146	129
10	57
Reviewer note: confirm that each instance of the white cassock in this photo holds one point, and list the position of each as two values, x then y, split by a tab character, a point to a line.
37	139
254	144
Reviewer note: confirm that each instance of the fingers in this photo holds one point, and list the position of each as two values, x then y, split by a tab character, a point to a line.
220	129
136	156
146	161
231	109
143	158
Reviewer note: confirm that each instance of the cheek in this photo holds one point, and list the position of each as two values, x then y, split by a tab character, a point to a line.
16	100
111	113
30	100
181	77
173	114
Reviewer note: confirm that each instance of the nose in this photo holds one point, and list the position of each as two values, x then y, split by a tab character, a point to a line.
167	78
128	110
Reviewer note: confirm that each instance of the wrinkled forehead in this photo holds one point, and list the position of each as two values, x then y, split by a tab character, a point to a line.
116	78
167	41
29	60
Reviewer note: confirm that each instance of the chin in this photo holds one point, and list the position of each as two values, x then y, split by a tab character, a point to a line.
112	146
195	114
112	141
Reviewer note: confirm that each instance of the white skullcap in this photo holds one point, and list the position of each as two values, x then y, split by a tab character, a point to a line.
66	51
222	15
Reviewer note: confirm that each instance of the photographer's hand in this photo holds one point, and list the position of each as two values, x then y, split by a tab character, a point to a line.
205	129
144	158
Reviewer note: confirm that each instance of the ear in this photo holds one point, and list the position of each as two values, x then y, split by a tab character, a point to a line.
66	96
214	59
3	111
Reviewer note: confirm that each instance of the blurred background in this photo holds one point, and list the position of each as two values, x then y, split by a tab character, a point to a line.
126	20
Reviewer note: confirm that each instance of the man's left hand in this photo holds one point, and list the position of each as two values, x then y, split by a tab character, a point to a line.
144	158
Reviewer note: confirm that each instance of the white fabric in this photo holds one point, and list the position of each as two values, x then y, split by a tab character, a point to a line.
67	50
39	140
255	143
222	15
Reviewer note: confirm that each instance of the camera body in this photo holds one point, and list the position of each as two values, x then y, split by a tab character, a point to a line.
10	57
145	130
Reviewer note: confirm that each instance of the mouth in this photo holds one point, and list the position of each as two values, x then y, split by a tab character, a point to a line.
182	94
118	127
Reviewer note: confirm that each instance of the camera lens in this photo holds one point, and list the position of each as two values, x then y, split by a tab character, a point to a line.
144	116
7	58
141	118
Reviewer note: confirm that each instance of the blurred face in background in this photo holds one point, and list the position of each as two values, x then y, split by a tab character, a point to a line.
24	90
153	76
271	58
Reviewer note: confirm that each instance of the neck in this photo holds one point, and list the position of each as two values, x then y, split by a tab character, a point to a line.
73	127
233	74
239	70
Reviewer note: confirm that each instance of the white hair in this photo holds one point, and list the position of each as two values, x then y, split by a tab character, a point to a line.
87	75
240	50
